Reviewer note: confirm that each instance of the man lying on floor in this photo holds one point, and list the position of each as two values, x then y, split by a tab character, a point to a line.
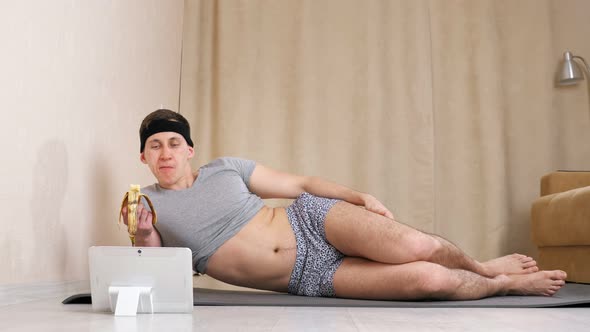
324	244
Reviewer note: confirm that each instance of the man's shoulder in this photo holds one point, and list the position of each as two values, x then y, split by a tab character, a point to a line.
227	161
152	188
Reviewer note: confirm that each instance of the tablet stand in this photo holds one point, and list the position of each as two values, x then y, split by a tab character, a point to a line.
125	301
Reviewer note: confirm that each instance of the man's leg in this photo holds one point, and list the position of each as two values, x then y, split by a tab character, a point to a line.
451	256
357	232
364	279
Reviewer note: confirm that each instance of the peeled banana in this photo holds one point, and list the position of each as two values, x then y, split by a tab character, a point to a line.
131	199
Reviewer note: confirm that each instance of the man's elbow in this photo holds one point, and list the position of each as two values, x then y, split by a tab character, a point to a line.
305	184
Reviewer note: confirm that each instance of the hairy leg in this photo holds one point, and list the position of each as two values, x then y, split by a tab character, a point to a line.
357	232
451	256
364	279
361	278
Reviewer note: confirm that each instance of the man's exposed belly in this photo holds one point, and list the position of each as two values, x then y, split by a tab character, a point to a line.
261	255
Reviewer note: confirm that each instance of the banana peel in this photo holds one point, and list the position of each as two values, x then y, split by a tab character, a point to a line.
131	199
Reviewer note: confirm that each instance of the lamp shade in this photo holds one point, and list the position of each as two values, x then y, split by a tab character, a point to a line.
570	72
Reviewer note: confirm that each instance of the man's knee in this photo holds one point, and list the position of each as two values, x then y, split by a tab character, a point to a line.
423	247
436	281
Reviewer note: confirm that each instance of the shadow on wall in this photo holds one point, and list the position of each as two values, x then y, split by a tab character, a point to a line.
103	228
50	179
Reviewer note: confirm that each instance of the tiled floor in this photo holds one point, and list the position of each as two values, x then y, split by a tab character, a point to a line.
50	315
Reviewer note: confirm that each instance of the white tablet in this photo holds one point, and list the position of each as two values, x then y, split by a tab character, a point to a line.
128	280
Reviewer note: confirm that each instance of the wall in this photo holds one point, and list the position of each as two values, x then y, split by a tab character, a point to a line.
77	78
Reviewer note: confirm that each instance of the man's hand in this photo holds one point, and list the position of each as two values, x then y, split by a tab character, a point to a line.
372	204
144	221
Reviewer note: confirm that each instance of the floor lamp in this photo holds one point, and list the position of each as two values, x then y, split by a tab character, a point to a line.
570	72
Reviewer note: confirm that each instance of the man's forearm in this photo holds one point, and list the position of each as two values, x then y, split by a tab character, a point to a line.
320	187
151	240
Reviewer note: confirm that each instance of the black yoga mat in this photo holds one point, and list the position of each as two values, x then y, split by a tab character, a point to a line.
571	294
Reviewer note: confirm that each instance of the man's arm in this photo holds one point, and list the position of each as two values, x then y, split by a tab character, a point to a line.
151	240
269	183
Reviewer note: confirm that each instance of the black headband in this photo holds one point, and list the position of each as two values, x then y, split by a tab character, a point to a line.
158	126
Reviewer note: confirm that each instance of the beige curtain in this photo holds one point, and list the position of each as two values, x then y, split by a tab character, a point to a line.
445	110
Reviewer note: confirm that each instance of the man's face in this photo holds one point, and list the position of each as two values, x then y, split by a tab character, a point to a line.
167	154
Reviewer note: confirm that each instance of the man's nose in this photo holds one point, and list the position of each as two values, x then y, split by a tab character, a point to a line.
166	153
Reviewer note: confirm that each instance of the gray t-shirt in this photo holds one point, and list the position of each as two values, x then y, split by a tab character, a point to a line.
210	212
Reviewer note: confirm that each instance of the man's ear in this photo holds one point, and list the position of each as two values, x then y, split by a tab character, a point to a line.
142	158
191	152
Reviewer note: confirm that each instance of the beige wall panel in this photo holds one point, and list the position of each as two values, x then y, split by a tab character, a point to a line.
77	78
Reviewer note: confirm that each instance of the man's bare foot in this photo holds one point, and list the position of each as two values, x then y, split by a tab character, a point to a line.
510	264
545	283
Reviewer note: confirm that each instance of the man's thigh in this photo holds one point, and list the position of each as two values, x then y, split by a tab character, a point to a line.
357	232
359	278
